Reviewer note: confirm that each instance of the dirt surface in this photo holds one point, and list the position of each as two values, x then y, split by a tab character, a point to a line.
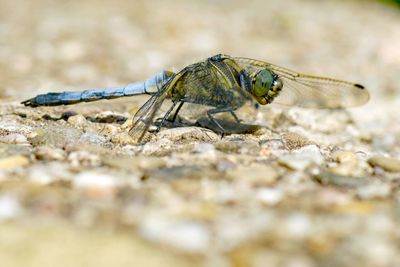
306	188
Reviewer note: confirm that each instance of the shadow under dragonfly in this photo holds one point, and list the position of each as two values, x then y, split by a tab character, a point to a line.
230	127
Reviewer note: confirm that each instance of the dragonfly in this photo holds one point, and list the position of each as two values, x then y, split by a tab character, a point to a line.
224	84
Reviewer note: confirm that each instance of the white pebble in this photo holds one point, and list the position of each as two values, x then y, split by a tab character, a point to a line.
302	158
94	179
189	236
9	207
269	196
297	226
14	138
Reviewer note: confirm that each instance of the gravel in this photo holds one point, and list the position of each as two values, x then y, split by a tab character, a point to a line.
286	187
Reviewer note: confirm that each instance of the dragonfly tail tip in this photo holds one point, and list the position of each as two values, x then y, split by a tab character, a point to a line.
27	103
359	86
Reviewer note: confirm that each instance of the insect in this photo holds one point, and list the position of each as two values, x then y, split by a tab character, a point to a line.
224	84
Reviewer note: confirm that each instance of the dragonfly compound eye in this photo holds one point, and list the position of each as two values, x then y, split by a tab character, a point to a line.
263	82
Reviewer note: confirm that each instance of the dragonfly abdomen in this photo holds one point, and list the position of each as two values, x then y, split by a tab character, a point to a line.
150	86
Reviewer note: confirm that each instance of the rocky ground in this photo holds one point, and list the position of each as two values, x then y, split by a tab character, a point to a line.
303	188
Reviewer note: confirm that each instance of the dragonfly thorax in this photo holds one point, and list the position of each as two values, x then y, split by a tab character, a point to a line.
266	85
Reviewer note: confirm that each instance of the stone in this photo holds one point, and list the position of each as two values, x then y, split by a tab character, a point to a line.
186	235
347	169
328	178
13	162
7	150
386	163
344	156
92	138
14	138
96	184
302	158
84	158
78	121
93	179
295	141
258	175
185	134
347	164
374	190
49	153
269	196
56	137
238	146
9	207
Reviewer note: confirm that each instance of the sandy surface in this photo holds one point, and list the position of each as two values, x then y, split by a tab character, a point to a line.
321	189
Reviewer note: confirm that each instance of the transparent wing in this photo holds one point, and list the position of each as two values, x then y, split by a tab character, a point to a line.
144	117
312	91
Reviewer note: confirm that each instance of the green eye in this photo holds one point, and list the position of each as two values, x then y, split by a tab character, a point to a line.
262	82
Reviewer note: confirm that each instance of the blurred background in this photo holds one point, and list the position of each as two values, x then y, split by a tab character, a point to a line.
74	44
50	45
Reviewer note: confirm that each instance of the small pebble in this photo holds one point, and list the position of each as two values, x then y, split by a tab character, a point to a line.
374	190
273	144
92	138
135	163
302	158
349	168
96	184
84	158
109	130
187	134
7	150
93	179
328	178
204	148
239	146
258	175
388	164
56	137
13	162
223	165
14	138
348	164
343	156
41	175
49	153
9	207
110	117
164	146
187	236
124	138
295	141
206	152
269	196
297	225
78	121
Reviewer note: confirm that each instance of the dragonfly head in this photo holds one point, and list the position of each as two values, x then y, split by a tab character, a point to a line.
265	86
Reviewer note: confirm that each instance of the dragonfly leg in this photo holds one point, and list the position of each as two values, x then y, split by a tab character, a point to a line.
177	111
166	116
211	112
235	116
